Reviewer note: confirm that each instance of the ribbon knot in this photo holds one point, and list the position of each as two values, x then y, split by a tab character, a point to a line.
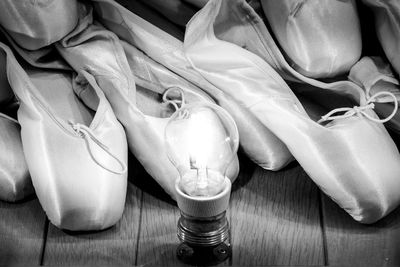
77	128
86	133
361	110
175	102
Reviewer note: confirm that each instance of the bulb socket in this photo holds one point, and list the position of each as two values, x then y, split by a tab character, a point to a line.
203	207
203	228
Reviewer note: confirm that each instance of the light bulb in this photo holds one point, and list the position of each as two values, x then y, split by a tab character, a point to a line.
202	140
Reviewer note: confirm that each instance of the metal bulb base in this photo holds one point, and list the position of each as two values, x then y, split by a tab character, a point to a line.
203	228
203	240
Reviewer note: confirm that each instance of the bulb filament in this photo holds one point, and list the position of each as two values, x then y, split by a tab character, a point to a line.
202	175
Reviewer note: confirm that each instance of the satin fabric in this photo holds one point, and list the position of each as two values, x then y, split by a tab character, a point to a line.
375	75
15	182
387	23
78	183
321	38
263	147
237	22
35	24
117	66
353	160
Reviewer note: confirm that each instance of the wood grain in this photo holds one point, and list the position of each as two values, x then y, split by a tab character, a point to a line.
275	219
22	227
353	244
157	240
114	246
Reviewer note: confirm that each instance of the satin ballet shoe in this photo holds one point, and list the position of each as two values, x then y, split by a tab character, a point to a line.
45	57
374	75
237	22
320	38
15	182
256	140
387	24
151	79
76	158
350	157
138	107
35	24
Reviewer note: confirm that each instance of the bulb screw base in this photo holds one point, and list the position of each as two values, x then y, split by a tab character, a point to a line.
203	240
203	228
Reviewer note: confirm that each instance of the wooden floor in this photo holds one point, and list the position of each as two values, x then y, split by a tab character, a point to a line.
276	218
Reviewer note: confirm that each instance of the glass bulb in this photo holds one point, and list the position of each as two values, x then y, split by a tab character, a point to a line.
202	140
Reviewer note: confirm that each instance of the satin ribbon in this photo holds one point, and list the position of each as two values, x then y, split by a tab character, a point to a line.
360	110
174	102
8	118
86	133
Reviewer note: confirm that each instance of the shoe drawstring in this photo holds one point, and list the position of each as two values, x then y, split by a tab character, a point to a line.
360	110
8	118
176	103
87	134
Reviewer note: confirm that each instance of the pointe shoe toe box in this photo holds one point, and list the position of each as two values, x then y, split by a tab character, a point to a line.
70	177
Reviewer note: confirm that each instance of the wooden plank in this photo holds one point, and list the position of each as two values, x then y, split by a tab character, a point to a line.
158	240
22	227
353	244
275	219
114	246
